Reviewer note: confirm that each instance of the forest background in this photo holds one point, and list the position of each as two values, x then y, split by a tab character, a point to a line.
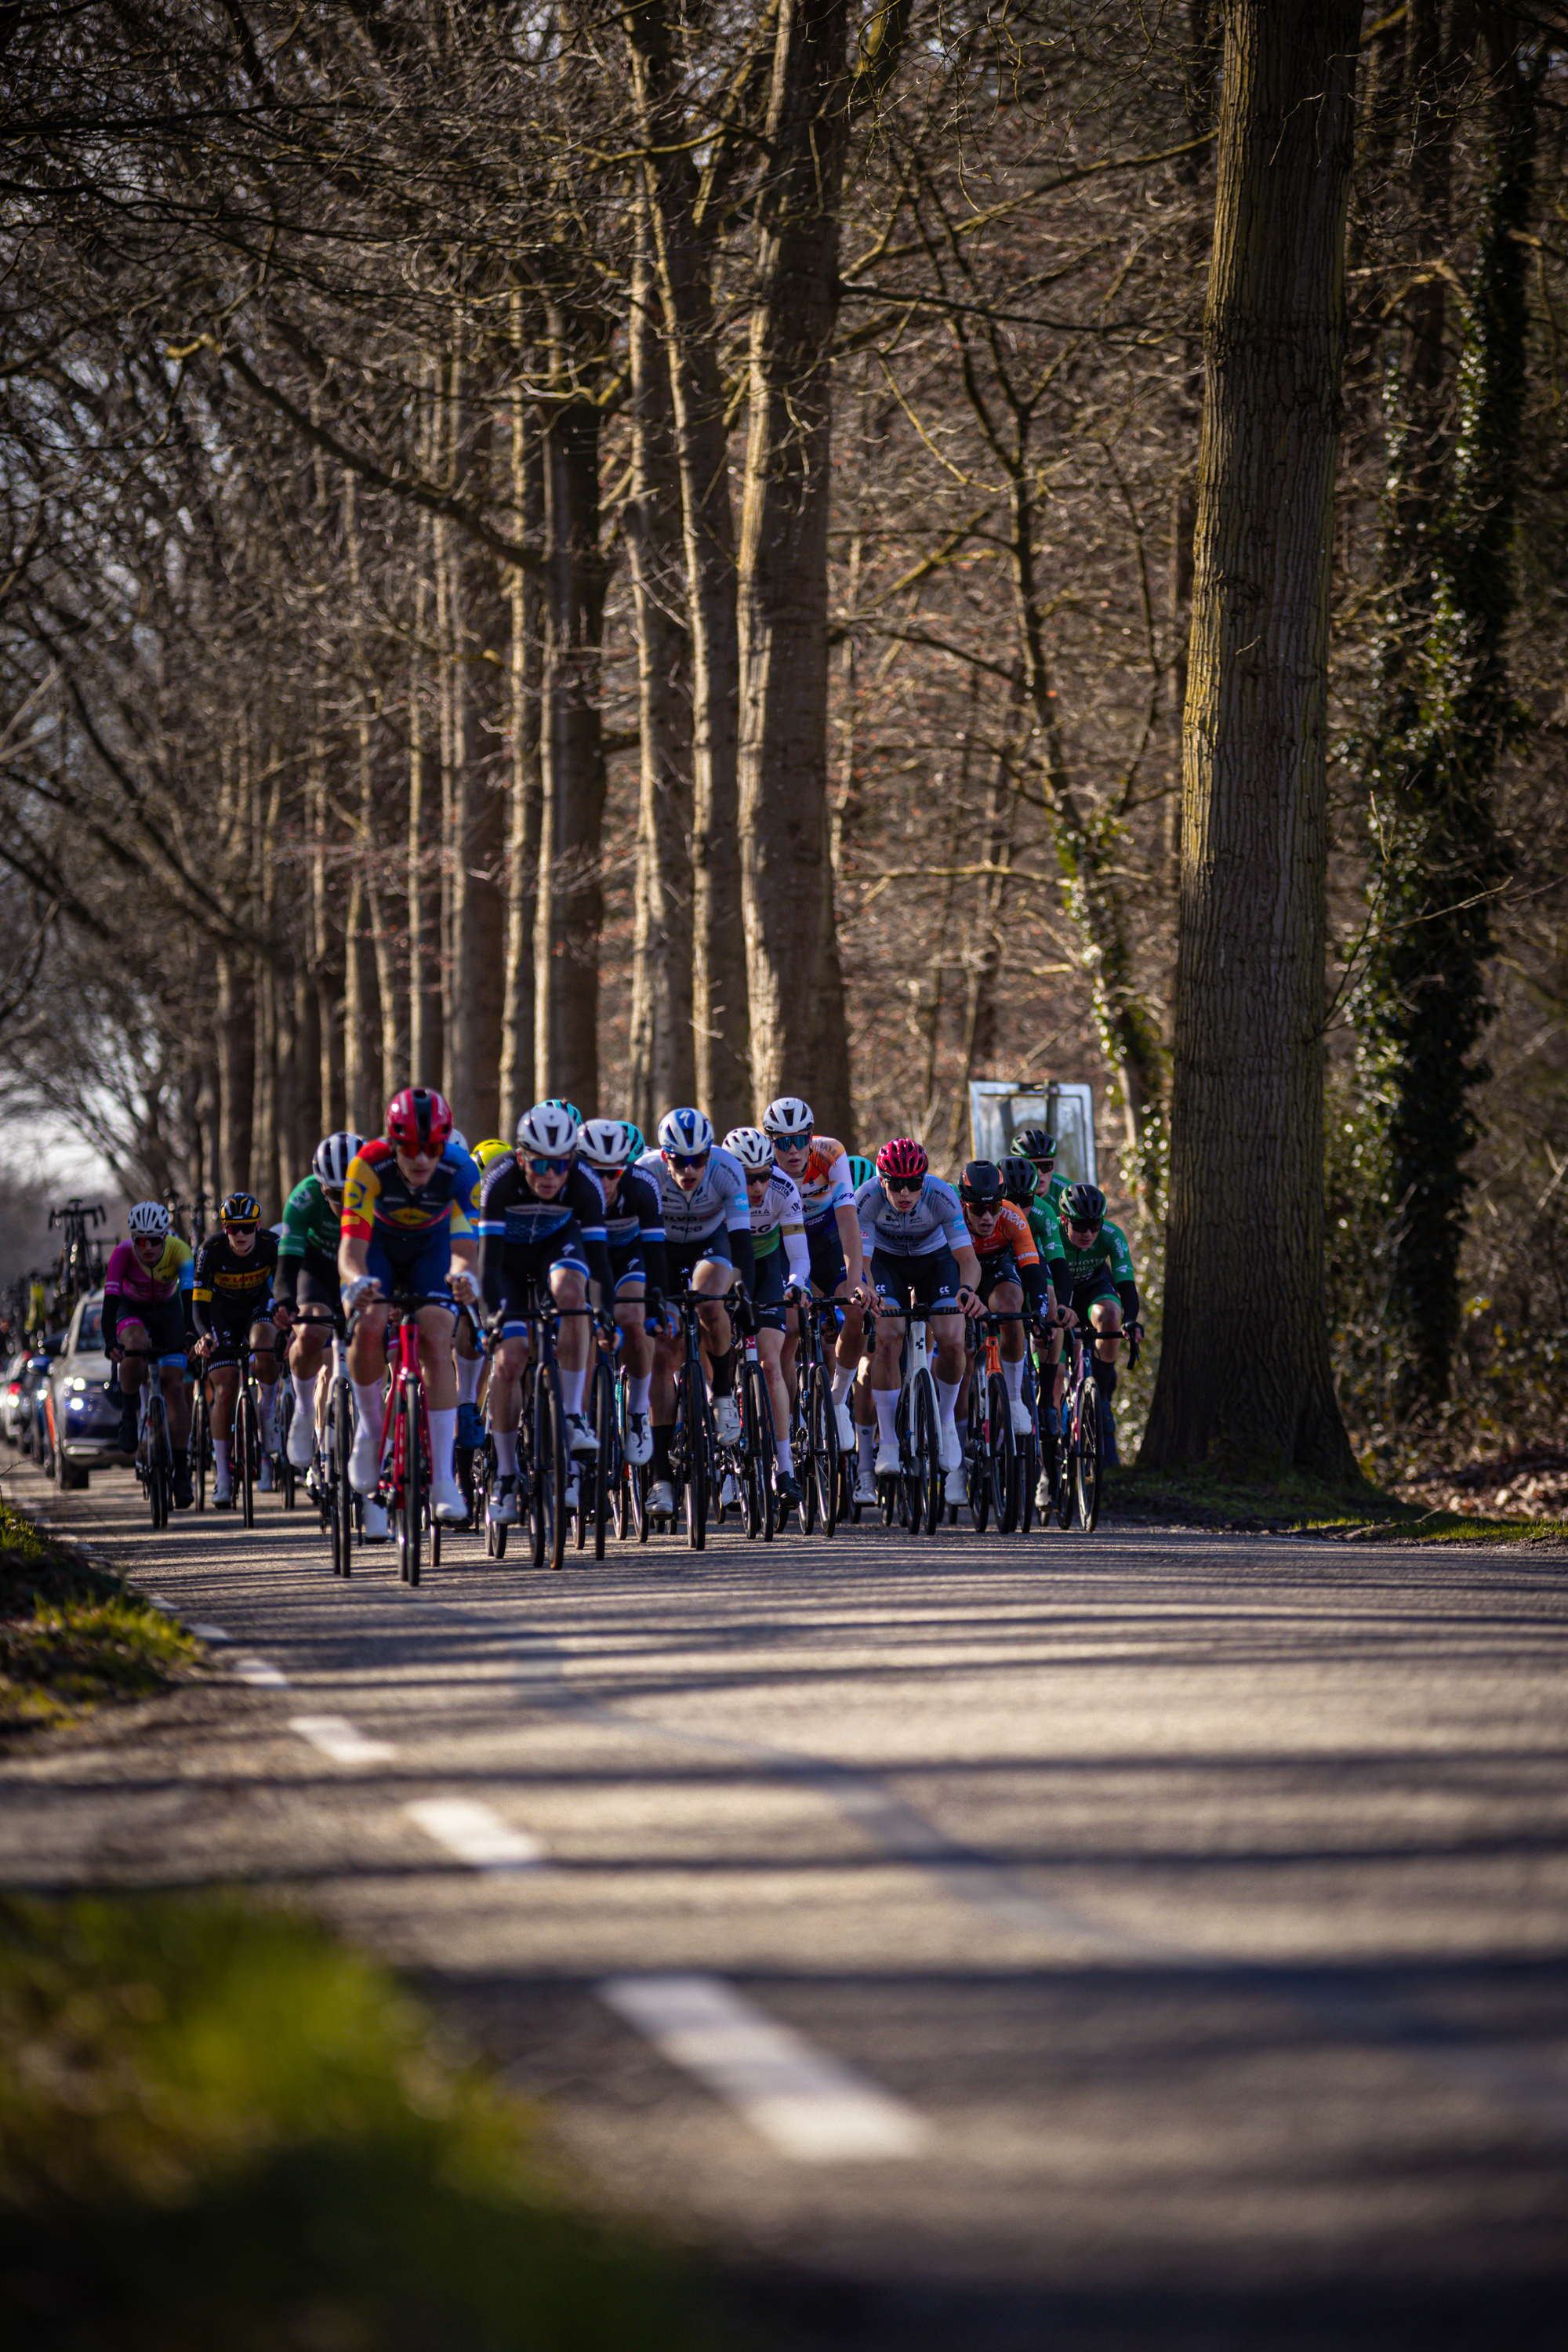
645	553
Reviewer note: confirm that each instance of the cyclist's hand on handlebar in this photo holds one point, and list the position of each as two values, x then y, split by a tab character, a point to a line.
362	1290
973	1305
462	1286
283	1314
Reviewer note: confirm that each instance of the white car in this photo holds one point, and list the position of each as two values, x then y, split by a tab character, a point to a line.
84	1413
11	1396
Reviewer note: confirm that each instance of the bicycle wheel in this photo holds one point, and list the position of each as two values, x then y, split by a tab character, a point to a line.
823	1482
803	1447
757	1431
699	1463
1026	1478
1001	1464
977	1470
342	1409
547	1516
1067	1458
1087	1478
603	1463
928	1450
407	1469
287	1474
200	1447
156	1439
243	1457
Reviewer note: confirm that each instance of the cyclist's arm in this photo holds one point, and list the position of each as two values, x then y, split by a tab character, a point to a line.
850	1241
286	1277
656	1258
201	1303
598	1256
968	1267
798	1258
1127	1294
744	1256
111	1318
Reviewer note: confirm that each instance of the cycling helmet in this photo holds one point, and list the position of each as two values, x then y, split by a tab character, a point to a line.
639	1140
1083	1204
330	1164
240	1209
1034	1143
751	1148
493	1147
149	1219
459	1138
559	1102
419	1119
1020	1182
980	1186
684	1130
789	1120
861	1170
902	1157
609	1142
550	1130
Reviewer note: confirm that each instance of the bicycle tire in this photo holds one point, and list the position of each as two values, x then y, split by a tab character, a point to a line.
242	1468
693	1400
823	1482
287	1474
343	1491
928	1443
1026	1477
410	1499
602	1422
201	1441
1000	1405
1066	1459
760	1421
802	1447
547	1518
1087	1480
157	1509
977	1474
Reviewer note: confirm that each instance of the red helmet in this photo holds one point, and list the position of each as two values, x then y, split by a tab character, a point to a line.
902	1157
419	1119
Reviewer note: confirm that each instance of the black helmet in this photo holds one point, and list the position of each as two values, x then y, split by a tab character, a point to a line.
1084	1204
1034	1143
1020	1182
980	1186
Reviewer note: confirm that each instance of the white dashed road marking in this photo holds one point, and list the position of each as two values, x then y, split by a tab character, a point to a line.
475	1833
810	2105
258	1671
211	1633
336	1736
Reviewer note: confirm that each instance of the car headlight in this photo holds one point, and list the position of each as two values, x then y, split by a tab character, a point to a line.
75	1383
77	1404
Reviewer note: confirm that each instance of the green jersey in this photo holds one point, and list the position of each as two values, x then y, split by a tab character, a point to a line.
1046	1226
310	1224
1107	1249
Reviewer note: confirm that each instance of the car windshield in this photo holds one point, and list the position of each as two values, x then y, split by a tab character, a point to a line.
89	1334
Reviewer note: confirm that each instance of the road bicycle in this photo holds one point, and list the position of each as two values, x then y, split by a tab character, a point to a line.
404	1486
813	1423
693	1444
155	1448
1078	1449
750	1459
631	1478
80	1255
992	1467
199	1452
599	1476
327	1481
914	1496
545	1499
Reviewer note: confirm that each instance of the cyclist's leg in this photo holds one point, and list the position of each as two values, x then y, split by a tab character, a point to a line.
683	1258
713	1273
316	1301
467	1365
574	1340
132	1338
892	1287
637	1347
264	1352
769	1302
367	1376
435	1321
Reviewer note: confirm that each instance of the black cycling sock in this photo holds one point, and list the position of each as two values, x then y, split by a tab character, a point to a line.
1105	1379
724	1372
663	1431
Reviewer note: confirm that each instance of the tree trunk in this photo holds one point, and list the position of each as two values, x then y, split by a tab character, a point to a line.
423	890
663	1071
363	1090
1243	1374
236	1073
480	623
571	887
684	247
525	675
796	1009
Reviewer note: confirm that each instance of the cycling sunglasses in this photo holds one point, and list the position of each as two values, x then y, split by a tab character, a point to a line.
759	1175
548	1167
904	1183
1071	1225
687	1158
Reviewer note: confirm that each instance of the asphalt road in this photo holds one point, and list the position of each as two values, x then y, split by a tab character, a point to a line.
1158	1939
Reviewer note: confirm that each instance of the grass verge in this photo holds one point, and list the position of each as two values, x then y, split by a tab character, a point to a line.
71	1636
1296	1504
210	2113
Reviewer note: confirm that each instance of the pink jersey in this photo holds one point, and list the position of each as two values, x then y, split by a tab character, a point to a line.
126	1276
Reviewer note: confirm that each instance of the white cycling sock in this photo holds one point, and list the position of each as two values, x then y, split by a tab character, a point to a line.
571	1387
268	1395
469	1371
843	1382
222	1447
506	1451
782	1448
639	1391
866	1441
443	1441
947	1396
1013	1376
304	1393
887	1404
371	1398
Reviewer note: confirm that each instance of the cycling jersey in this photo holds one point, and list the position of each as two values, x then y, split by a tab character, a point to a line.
522	1236
717	1204
824	1183
634	1225
1008	1247
380	1204
778	1219
133	1284
312	1225
934	1223
231	1289
1105	1261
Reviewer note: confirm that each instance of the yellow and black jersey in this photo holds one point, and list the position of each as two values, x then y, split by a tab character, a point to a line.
231	1288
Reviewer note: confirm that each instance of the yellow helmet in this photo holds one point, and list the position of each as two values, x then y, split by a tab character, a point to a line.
493	1147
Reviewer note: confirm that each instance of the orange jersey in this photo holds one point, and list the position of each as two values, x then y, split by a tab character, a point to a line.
1011	1231
824	1183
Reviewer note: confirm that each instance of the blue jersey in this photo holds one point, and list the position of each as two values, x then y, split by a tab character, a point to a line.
933	1222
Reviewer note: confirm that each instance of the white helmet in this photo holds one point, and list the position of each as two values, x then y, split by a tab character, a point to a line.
790	1119
607	1142
751	1148
548	1130
684	1130
330	1164
458	1138
148	1217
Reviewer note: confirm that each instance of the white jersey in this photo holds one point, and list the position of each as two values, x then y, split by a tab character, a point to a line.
718	1201
933	1222
780	1216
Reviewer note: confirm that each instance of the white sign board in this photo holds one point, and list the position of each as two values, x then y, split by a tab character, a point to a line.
998	1108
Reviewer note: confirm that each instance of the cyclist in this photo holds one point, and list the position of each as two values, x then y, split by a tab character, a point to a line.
1010	1272
818	1166
782	1257
408	1202
306	1288
708	1243
639	1272
1099	1267
919	1254
1022	1184
1037	1145
147	1286
232	1303
542	1224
